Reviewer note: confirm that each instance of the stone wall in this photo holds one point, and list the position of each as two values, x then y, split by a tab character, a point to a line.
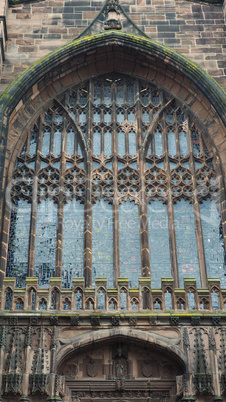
193	29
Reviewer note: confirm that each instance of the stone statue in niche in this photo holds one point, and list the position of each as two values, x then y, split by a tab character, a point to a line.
121	369
92	367
120	360
120	350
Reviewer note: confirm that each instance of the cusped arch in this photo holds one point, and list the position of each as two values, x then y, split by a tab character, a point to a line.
155	342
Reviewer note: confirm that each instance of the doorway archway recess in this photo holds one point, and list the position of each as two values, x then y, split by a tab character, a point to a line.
121	365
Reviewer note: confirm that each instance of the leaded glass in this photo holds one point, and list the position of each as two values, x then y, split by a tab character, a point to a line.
45	143
45	249
145	117
57	143
121	143
213	241
100	163
33	143
130	95
158	143
72	263
158	242
172	143
70	143
168	300
107	143
120	99
132	143
129	239
96	143
19	242
97	95
8	299
103	241
183	143
196	142
107	95
187	252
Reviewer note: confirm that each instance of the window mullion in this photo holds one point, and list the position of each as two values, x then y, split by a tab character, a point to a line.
172	234
88	202
116	255
60	210
197	214
34	205
143	218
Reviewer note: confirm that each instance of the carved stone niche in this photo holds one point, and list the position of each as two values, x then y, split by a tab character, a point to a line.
121	366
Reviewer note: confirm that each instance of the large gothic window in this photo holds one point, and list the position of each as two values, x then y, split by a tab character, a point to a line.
115	180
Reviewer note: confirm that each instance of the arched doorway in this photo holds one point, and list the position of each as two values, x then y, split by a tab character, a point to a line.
121	368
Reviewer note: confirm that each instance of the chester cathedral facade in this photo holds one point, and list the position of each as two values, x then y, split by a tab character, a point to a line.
112	201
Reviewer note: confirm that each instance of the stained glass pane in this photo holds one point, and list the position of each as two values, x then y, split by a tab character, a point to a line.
107	95
183	143
70	143
120	99
145	117
45	249
57	143
132	143
158	143
187	252
196	144
19	242
172	143
213	241
130	95
107	143
103	242
107	117
96	143
168	300
45	143
33	143
73	228
158	231
120	117
82	118
131	117
129	240
83	97
96	117
79	151
121	143
97	95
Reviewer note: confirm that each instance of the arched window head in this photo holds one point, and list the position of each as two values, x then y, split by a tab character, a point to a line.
115	179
